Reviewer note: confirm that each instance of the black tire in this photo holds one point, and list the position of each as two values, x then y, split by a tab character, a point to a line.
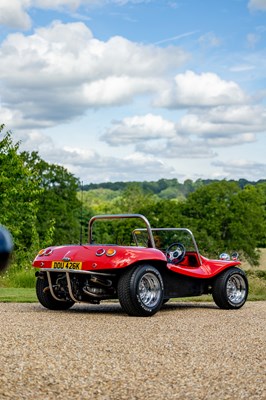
46	299
230	289
141	291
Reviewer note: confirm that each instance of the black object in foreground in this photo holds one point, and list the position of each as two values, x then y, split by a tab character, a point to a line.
6	247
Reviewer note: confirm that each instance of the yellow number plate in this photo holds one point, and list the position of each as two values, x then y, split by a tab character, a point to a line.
67	265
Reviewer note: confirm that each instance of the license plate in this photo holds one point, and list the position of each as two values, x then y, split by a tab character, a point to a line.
67	264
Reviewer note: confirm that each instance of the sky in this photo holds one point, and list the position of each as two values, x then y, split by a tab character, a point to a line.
134	90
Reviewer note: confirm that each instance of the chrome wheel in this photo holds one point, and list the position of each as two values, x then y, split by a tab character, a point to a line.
149	290
141	290
230	288
236	289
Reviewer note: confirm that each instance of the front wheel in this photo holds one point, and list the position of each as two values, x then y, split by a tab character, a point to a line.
141	291
230	289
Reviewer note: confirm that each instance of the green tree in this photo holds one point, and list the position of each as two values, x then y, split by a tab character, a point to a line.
133	198
19	194
261	187
246	229
225	218
59	207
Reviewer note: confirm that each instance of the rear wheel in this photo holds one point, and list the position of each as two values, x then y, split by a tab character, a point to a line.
140	291
45	297
230	289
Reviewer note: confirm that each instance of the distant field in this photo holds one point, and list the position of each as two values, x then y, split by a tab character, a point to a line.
263	259
262	265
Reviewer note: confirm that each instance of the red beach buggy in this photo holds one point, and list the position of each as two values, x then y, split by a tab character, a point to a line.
159	264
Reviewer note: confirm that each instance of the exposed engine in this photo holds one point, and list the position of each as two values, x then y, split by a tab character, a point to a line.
87	288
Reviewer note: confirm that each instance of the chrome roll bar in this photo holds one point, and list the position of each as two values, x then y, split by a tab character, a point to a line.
121	216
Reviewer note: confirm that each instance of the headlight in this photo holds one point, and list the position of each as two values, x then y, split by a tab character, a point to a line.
224	257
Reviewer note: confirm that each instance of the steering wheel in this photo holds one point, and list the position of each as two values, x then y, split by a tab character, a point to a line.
175	253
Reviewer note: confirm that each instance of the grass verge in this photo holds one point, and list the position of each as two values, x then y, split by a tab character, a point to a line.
17	295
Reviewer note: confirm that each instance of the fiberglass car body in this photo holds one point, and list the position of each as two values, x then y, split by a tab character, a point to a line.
160	264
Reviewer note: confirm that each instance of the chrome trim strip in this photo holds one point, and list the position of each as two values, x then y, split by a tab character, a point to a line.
70	288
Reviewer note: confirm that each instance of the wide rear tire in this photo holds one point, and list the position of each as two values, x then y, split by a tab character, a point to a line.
230	289
46	299
141	291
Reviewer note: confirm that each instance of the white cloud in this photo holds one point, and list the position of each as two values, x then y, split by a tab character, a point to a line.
60	71
236	169
13	14
89	164
55	4
33	140
15	119
138	129
115	90
155	136
104	169
249	116
229	141
218	124
194	135
177	148
257	5
197	90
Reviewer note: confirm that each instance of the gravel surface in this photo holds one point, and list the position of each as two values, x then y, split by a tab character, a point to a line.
186	351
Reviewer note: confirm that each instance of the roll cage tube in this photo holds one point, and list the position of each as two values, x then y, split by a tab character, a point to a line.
121	216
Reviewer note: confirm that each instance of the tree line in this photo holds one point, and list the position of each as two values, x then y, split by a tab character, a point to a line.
38	201
44	204
166	188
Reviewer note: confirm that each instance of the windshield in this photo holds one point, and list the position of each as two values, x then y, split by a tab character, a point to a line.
164	237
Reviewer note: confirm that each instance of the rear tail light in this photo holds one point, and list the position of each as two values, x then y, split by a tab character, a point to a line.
111	252
100	252
45	252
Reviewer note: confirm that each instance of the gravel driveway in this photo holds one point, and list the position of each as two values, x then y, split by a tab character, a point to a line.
186	351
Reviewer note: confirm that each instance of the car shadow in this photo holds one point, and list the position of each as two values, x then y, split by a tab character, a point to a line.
114	308
84	308
173	305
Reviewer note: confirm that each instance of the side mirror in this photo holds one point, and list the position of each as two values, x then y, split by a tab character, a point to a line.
6	247
234	256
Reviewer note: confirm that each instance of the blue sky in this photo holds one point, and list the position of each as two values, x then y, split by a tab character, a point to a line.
123	90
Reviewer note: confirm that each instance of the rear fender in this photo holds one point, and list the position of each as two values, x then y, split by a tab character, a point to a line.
126	257
99	257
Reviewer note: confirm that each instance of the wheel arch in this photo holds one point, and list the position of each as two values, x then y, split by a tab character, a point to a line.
222	271
159	264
